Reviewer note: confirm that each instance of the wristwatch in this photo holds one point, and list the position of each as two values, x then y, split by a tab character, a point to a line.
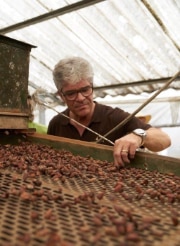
141	133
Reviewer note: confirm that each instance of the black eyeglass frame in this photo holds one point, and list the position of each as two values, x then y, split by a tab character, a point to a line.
72	94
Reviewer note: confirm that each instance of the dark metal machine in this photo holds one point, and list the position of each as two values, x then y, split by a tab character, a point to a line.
14	72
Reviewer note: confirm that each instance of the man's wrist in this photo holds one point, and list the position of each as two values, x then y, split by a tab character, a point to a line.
141	133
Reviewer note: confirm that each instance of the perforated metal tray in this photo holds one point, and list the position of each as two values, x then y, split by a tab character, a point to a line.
46	209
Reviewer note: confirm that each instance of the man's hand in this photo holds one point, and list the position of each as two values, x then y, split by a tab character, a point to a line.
125	149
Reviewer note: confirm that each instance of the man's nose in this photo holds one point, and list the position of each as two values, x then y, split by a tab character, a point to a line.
80	96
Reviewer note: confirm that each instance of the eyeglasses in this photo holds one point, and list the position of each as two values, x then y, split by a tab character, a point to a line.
72	95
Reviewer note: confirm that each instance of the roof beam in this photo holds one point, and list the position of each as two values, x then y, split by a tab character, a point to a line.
50	15
135	83
159	21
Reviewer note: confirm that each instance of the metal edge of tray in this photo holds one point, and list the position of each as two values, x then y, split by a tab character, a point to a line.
143	159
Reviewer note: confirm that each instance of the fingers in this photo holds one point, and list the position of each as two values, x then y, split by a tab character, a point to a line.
124	151
121	157
132	151
125	155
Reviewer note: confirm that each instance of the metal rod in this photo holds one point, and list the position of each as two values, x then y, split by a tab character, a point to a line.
141	107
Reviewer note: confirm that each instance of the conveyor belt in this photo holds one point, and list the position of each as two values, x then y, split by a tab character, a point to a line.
50	197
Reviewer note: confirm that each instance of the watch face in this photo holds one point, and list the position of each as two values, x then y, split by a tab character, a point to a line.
139	131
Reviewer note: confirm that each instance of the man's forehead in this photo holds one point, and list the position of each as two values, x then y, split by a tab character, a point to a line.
78	85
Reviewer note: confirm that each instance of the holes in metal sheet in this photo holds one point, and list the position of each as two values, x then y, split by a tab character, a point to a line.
74	212
86	240
48	204
4	239
78	221
46	189
83	207
5	232
22	228
23	215
11	207
37	206
87	216
52	223
82	186
73	184
39	241
67	228
62	215
4	187
23	221
8	221
68	233
93	186
69	196
8	227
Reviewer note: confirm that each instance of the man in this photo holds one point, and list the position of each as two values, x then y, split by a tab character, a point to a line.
73	78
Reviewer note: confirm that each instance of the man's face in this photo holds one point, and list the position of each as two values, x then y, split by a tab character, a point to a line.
78	97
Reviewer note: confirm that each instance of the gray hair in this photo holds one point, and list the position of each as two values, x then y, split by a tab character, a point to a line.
72	70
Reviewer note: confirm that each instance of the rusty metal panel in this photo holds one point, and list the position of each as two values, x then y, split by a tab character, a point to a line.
14	72
13	121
